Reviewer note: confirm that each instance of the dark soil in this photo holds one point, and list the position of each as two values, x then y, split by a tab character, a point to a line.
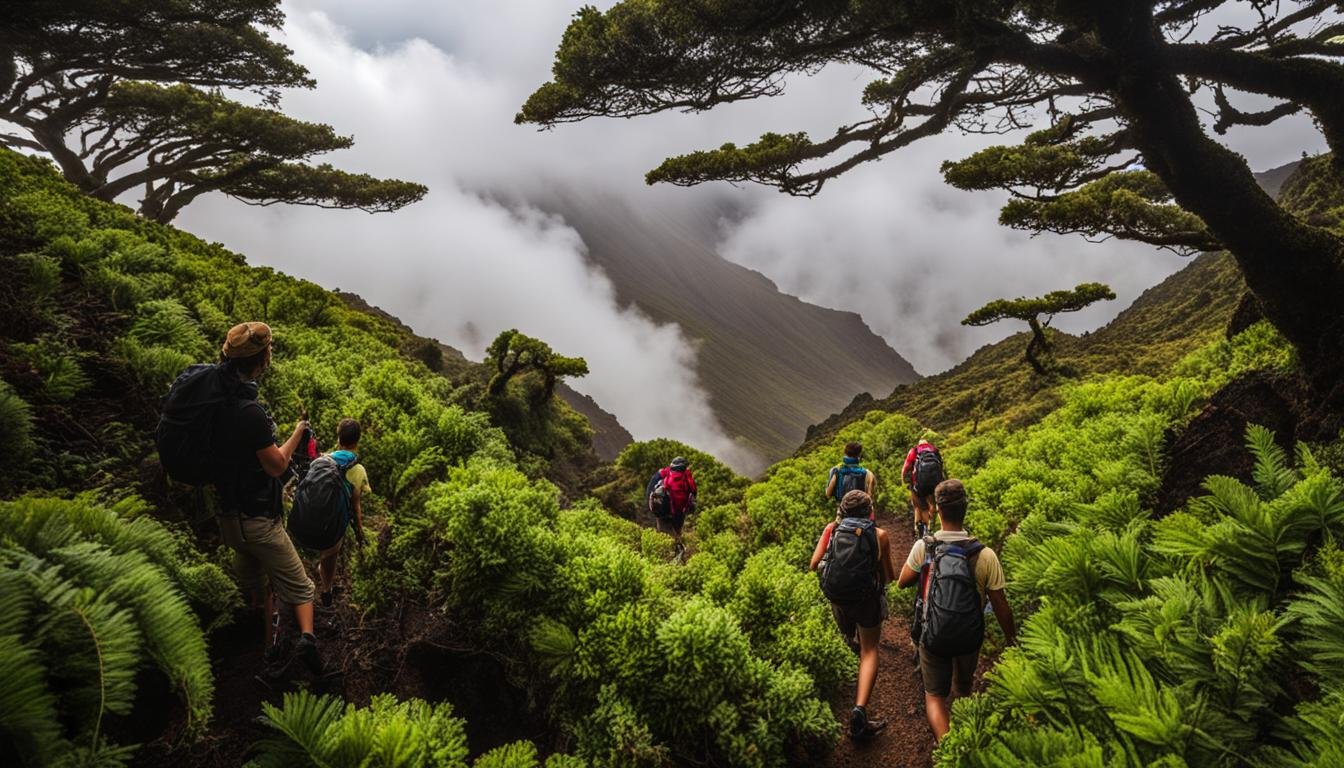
1214	442
409	653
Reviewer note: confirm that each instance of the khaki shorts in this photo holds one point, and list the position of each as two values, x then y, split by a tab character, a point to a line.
943	674
262	551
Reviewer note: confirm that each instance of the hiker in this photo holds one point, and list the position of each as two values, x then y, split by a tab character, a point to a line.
848	475
956	576
249	488
922	472
854	556
328	499
671	496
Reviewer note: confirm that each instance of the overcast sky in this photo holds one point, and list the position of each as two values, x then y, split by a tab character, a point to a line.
429	90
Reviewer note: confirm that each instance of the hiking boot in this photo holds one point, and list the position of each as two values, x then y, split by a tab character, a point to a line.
862	728
326	599
306	650
277	651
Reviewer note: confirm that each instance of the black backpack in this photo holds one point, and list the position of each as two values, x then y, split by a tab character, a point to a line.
321	510
849	478
928	471
849	570
185	434
949	615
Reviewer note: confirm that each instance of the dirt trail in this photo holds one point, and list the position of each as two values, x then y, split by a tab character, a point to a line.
898	696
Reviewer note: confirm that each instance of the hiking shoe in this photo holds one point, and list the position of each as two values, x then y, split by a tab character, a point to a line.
861	728
277	651
307	651
326	599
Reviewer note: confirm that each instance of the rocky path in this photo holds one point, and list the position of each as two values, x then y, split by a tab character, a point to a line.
898	696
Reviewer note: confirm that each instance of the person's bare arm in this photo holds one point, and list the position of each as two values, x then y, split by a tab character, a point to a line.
888	564
818	552
830	486
999	602
872	485
275	460
907	578
357	502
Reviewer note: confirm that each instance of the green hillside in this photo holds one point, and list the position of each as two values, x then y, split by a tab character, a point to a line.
994	387
507	613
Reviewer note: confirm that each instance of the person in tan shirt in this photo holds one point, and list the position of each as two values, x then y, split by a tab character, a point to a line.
944	676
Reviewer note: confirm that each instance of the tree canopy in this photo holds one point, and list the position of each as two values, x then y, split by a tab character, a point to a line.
126	96
513	353
1031	310
1114	90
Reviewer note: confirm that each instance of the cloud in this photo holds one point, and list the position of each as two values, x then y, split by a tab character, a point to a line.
429	91
460	265
914	256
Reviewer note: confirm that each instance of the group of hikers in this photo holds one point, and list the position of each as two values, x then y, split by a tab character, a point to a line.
214	433
957	577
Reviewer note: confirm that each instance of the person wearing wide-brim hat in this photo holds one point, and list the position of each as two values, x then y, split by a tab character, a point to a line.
250	492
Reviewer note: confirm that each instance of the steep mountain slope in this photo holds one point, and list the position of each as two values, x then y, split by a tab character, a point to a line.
1182	313
772	364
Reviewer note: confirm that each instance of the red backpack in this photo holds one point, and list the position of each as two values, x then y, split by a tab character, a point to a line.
680	488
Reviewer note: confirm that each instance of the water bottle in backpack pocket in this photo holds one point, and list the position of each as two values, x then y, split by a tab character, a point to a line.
949	617
850	569
321	510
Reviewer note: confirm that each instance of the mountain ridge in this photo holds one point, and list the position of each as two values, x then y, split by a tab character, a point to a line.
770	362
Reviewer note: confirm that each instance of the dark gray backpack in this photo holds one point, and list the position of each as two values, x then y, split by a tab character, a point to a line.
321	510
849	570
949	617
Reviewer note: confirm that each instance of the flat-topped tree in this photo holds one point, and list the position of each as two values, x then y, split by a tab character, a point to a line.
125	96
1039	350
513	353
1113	86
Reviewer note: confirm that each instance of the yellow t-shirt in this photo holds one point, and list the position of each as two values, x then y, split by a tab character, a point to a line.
988	569
358	478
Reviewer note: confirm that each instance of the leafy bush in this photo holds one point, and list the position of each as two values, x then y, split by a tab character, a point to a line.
1163	642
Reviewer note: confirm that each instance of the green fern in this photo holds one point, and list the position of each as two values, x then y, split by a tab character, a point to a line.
322	730
166	323
85	605
1273	476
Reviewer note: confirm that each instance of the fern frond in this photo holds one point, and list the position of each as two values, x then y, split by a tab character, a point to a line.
1318	615
1272	474
303	721
172	636
28	714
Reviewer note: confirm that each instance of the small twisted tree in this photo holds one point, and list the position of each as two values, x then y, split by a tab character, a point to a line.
1039	351
512	353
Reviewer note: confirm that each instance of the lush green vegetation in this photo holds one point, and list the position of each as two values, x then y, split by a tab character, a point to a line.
323	730
90	596
1207	634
